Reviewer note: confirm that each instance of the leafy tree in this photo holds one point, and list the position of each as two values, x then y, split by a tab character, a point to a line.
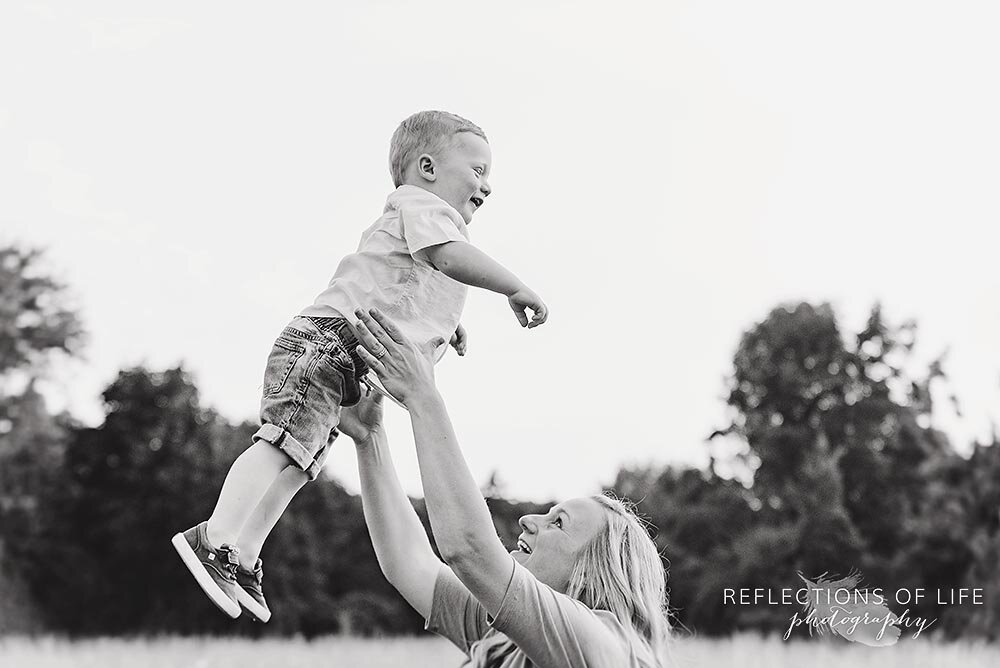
957	524
155	467
35	317
835	437
812	408
36	321
130	484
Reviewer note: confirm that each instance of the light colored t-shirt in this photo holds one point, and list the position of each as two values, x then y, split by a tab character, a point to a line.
390	272
550	629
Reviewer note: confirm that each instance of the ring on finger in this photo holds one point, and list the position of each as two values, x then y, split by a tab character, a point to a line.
381	353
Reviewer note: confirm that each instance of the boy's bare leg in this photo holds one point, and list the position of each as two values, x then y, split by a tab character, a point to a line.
250	477
258	527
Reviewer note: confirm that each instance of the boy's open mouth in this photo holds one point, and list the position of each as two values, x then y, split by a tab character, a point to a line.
477	201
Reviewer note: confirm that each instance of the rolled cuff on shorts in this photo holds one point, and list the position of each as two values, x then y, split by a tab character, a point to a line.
284	441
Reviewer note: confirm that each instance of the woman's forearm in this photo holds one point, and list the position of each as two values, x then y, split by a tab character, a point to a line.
461	522
404	553
463	528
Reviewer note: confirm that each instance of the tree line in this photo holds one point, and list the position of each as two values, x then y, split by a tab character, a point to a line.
837	467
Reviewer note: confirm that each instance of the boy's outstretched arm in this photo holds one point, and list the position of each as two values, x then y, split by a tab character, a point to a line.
467	264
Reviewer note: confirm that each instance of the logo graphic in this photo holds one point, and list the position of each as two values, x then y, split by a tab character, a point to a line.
854	614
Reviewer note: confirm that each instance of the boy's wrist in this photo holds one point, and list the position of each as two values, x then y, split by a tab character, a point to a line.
517	288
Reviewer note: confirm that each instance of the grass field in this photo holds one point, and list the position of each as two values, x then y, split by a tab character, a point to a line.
741	652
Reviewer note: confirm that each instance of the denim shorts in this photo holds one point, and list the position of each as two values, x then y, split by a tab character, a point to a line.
312	371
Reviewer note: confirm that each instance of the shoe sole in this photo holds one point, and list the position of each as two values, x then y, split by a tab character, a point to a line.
204	580
256	610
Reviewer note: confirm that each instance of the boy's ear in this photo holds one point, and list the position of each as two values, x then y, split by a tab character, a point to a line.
425	167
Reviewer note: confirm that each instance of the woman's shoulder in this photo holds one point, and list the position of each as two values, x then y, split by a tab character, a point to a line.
550	624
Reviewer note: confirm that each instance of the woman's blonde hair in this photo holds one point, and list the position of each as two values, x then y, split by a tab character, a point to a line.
619	571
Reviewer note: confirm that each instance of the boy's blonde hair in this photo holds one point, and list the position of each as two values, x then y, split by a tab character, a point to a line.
424	132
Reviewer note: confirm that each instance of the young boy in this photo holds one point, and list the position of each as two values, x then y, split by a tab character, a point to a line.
414	264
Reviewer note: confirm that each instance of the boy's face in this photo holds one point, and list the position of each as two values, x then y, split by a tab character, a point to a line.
461	173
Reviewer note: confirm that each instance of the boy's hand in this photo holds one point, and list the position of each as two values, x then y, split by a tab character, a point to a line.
525	299
460	340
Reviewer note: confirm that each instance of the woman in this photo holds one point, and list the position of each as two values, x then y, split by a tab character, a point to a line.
585	587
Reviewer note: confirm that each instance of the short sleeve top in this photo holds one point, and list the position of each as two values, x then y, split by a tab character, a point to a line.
389	270
549	629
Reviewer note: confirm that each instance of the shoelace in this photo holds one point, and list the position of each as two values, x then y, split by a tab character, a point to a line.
257	572
230	558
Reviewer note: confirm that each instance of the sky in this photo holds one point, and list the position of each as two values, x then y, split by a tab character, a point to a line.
664	174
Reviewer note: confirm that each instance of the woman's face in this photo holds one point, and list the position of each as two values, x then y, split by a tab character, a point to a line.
550	543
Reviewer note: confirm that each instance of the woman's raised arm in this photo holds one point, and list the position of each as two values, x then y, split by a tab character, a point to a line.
460	520
404	553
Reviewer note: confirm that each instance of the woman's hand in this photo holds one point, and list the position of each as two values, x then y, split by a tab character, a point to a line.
406	372
363	420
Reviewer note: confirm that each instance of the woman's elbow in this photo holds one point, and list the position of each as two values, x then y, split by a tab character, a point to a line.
455	556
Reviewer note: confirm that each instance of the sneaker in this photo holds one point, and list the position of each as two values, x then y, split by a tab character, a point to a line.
214	569
249	592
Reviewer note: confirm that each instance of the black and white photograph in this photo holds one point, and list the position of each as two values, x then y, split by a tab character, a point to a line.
533	334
